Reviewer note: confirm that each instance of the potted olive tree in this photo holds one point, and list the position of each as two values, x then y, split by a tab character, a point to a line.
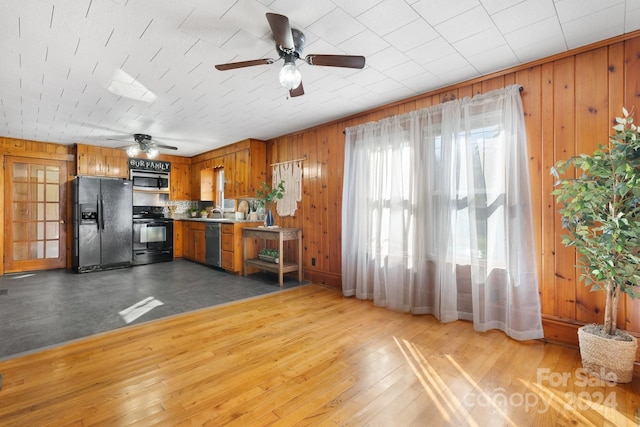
266	195
600	209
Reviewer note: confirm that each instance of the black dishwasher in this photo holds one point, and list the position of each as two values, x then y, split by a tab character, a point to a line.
213	252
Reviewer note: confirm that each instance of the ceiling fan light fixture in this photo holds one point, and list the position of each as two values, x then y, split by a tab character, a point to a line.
290	76
152	152
133	151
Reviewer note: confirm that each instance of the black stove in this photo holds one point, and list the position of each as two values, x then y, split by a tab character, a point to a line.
152	235
148	212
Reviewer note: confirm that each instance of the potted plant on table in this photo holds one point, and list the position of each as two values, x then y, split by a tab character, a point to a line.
600	209
266	195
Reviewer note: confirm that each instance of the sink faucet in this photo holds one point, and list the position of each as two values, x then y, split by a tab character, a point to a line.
216	209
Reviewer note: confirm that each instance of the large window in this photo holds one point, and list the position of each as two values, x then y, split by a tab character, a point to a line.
429	192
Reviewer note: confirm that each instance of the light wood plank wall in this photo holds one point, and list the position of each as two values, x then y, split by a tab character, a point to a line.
570	103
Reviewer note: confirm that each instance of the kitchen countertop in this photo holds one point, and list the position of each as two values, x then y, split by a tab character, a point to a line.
223	220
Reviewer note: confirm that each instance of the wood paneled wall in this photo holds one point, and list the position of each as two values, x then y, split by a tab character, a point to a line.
570	104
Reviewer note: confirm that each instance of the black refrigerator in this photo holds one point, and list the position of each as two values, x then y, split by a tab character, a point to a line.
102	223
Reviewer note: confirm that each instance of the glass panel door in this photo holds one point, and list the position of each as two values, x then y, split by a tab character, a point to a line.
35	211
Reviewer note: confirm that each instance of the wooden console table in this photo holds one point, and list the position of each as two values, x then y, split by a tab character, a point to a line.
281	235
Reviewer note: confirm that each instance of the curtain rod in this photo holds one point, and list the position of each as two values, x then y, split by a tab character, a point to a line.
288	161
520	89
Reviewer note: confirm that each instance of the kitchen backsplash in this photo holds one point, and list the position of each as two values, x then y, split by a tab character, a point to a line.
182	206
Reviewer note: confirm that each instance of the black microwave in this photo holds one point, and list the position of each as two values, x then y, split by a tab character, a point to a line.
150	181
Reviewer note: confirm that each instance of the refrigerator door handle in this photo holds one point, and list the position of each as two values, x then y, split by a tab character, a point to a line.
101	214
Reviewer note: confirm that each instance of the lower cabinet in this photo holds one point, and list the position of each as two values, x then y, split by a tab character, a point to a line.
194	241
178	239
232	256
193	247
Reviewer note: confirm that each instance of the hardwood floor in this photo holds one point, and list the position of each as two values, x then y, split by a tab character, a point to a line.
307	356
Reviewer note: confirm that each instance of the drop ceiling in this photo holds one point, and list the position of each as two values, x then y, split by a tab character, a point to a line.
98	71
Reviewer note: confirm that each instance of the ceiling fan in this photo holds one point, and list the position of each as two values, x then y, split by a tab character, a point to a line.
289	46
145	144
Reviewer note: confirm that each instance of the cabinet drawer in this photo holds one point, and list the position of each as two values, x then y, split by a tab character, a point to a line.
227	260
227	242
227	228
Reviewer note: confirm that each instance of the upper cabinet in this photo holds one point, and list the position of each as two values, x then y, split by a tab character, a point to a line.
244	164
101	161
245	169
180	186
207	185
114	162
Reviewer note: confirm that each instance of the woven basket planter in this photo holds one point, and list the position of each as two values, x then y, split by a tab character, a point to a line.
606	358
269	258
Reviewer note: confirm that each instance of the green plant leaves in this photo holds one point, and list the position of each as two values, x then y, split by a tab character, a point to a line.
600	209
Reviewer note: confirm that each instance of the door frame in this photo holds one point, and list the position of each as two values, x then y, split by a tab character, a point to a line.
5	193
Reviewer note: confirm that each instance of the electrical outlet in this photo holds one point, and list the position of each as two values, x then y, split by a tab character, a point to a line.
313	261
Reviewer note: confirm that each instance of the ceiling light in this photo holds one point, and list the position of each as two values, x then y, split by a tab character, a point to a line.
133	151
152	152
290	76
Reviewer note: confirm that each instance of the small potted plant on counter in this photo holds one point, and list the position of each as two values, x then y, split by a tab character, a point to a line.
600	208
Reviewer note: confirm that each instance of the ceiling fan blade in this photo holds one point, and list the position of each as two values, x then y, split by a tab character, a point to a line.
347	61
167	147
242	64
281	30
299	91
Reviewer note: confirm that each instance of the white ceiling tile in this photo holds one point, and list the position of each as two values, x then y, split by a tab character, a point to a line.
388	16
448	64
523	14
544	48
386	59
570	10
412	35
336	27
405	71
356	7
300	14
423	83
249	16
494	6
438	11
602	25
367	77
430	51
530	35
465	25
492	60
247	47
481	42
365	43
632	15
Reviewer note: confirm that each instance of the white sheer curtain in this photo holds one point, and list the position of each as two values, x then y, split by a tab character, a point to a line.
437	214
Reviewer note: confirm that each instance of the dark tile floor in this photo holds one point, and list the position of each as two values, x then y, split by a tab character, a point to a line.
41	309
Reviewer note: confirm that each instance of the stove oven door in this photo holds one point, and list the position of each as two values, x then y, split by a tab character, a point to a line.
152	241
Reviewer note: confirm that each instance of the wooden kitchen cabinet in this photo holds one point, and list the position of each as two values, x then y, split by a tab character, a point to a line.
178	239
101	161
230	176
231	244
180	186
245	169
207	185
194	243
